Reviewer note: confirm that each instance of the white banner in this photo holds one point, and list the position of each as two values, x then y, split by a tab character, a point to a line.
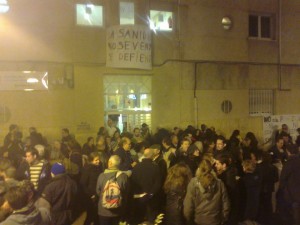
273	123
129	46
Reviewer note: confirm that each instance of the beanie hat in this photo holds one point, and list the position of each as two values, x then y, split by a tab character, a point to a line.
58	168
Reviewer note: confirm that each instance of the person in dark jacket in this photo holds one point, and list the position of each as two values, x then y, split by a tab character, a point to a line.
227	173
252	182
88	147
145	183
88	182
123	152
289	187
175	188
60	193
206	201
112	216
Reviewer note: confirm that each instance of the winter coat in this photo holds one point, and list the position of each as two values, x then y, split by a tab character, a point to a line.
207	206
26	215
174	208
61	193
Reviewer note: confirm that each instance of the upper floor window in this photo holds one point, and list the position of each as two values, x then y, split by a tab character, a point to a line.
126	13
161	20
89	15
261	26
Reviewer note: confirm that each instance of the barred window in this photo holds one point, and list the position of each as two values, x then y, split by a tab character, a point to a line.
261	102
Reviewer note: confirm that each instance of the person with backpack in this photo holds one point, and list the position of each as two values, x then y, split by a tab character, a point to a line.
113	191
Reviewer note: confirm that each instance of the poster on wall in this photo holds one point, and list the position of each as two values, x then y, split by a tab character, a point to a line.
273	123
129	46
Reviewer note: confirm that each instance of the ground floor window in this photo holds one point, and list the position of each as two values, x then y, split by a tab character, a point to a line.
127	100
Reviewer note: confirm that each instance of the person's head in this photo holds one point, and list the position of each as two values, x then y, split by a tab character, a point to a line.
285	128
204	173
184	144
249	166
174	139
13	128
250	140
17	198
65	132
220	143
235	134
203	127
178	177
100	140
41	151
279	142
156	150
114	162
285	136
57	145
210	143
193	150
57	169
31	156
256	155
125	143
110	122
116	134
32	130
90	141
222	162
27	187
136	132
166	141
94	158
148	153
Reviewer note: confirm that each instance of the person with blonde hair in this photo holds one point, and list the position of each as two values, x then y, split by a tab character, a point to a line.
175	188
206	201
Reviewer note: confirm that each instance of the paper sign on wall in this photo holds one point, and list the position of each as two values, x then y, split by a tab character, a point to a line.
129	46
273	123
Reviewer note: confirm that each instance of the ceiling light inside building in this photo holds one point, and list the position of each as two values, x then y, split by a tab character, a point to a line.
4	7
32	80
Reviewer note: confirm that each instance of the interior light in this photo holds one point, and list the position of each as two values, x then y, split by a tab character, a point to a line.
117	91
28	89
26	71
4	7
32	80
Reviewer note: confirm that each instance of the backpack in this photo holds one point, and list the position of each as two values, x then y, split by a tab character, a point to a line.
111	194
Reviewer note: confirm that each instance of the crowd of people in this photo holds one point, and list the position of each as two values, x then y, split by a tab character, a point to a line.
173	177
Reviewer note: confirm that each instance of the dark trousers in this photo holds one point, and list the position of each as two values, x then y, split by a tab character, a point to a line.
91	212
104	220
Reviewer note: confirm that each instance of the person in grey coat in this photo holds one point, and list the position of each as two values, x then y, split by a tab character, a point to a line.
114	215
206	201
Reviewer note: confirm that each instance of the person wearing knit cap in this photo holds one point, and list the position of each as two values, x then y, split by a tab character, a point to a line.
60	193
57	169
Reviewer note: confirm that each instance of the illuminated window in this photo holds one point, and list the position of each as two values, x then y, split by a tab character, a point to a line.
126	13
161	20
127	100
89	15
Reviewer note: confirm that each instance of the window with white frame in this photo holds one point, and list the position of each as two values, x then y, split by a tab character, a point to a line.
127	99
89	15
261	26
261	102
126	13
161	20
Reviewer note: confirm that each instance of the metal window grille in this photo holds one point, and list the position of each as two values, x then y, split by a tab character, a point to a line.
261	102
